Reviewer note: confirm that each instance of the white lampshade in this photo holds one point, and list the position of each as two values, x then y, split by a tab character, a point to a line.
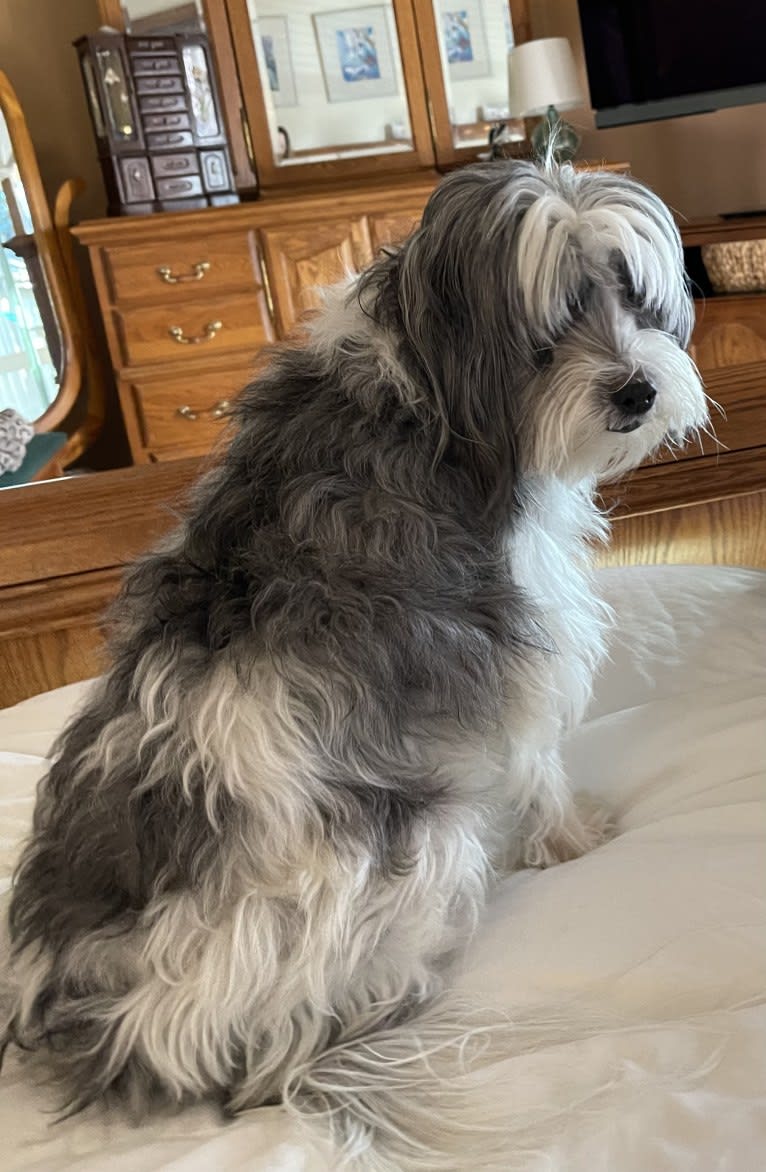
542	74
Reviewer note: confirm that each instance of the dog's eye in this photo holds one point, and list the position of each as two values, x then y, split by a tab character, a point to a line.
632	296
543	357
577	301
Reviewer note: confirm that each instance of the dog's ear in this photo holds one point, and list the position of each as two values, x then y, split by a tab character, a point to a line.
460	324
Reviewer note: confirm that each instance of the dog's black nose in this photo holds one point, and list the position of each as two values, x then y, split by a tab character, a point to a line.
635	398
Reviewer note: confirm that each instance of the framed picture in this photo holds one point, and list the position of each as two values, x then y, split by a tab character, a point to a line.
464	39
356	53
275	42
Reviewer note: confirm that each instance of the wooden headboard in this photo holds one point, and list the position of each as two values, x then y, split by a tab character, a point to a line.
65	545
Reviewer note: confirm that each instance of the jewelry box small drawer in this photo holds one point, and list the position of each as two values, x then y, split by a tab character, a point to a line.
215	171
184	416
159	85
150	45
162	103
146	65
135	179
168	140
168	271
167	166
174	333
180	188
166	122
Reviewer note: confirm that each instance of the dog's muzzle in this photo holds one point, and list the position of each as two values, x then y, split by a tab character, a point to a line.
634	400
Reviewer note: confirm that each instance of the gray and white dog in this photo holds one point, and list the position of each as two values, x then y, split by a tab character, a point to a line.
338	691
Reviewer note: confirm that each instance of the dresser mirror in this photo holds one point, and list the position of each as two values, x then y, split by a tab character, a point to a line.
42	352
31	352
473	40
335	85
331	91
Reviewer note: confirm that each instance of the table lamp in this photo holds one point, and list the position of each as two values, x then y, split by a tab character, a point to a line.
542	79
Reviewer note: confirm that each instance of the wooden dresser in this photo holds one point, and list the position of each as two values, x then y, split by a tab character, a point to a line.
189	300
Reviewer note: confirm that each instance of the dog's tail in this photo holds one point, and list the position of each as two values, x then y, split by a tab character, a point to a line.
407	1096
438	1092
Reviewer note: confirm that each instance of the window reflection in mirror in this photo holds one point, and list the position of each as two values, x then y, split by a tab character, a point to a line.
333	79
474	39
28	375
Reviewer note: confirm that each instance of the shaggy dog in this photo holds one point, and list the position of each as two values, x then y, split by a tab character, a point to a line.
338	690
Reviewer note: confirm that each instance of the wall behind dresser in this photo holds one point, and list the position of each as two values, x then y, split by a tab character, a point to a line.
36	38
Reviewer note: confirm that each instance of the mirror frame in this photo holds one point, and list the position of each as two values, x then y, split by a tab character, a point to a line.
447	153
273	177
51	256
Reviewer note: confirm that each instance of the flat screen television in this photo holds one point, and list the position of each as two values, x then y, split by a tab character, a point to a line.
651	59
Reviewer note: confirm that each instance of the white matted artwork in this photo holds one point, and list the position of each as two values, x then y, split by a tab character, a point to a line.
356	53
275	42
464	39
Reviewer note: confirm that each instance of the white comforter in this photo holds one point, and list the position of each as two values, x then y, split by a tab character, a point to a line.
664	928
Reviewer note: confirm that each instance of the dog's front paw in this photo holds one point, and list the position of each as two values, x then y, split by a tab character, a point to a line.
585	824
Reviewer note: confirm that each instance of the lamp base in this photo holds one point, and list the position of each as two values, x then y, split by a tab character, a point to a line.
553	137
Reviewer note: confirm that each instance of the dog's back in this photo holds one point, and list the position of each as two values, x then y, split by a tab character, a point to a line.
250	846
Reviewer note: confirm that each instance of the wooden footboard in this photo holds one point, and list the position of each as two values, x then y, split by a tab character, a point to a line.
65	545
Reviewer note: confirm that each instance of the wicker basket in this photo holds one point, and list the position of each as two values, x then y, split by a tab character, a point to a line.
736	267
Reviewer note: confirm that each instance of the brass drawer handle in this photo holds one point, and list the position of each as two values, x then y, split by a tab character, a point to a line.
217	411
198	271
210	331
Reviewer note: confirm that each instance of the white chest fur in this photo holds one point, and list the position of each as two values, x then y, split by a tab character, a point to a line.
550	552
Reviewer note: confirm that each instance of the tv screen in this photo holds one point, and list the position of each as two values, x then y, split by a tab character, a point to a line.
650	59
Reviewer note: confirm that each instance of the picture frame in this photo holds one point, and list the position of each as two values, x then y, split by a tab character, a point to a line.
277	58
464	39
356	53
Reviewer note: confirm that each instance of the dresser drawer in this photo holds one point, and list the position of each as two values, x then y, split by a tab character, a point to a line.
729	331
196	328
174	270
740	392
183	416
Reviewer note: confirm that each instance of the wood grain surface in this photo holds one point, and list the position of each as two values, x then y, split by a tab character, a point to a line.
87	523
728	532
667	486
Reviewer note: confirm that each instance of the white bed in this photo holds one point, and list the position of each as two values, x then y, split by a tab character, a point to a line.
664	928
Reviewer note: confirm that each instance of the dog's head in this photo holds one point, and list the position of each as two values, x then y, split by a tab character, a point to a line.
548	311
